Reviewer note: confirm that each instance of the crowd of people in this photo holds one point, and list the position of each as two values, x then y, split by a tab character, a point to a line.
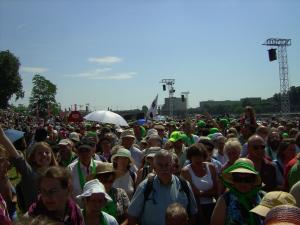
210	171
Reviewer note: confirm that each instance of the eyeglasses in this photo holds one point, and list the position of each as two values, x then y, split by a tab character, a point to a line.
243	178
83	150
257	147
49	193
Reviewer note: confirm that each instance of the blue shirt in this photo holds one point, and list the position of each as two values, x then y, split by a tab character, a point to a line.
153	210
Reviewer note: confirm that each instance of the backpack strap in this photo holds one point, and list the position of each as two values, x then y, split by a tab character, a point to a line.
133	177
185	187
148	188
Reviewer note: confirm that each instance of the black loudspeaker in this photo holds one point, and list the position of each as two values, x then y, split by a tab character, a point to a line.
272	54
182	98
164	87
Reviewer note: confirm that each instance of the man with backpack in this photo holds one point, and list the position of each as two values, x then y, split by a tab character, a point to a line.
155	194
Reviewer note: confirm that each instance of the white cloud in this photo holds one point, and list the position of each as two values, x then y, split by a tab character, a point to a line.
118	76
105	60
34	70
102	74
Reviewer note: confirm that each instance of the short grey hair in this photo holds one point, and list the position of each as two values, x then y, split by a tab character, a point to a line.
163	154
232	143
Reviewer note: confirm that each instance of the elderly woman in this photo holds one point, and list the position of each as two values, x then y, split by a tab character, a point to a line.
233	207
95	198
202	176
117	208
55	199
126	178
232	150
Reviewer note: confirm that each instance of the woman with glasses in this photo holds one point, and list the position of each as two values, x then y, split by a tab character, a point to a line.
55	200
117	208
243	193
210	149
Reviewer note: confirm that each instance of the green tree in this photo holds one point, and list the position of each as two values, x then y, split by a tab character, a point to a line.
10	79
144	109
42	95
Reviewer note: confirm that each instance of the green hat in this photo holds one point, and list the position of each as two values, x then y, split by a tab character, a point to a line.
91	134
213	130
201	124
224	122
285	135
176	136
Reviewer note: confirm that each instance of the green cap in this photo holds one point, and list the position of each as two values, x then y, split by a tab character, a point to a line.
224	122
213	130
176	136
91	134
201	124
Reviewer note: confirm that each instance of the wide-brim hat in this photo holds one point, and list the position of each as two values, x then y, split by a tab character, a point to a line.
283	214
104	168
93	187
129	133
123	152
240	167
271	200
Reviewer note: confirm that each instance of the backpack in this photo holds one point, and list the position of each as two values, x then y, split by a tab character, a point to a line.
183	184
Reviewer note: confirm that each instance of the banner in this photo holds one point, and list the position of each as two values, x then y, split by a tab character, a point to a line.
152	111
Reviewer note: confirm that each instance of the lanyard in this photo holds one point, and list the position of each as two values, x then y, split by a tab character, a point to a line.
80	174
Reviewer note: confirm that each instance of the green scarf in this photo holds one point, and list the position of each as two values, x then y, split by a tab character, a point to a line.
243	198
111	207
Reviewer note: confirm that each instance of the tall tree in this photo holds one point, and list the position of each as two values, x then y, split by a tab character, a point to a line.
10	79
42	96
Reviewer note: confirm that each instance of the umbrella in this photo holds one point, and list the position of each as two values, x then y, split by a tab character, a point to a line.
14	135
106	117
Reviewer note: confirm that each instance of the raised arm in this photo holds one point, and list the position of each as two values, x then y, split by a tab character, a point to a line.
10	148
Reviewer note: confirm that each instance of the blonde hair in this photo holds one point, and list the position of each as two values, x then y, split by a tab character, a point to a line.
37	145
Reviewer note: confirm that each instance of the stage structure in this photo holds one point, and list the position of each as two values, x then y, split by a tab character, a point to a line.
184	98
169	83
281	45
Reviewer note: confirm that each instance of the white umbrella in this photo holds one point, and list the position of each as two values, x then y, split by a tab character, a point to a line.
106	117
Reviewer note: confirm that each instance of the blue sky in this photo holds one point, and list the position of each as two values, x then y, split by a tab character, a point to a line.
114	53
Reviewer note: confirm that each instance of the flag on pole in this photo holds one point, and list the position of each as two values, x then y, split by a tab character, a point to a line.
152	111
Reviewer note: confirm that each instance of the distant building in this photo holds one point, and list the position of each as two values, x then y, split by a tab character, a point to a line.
179	107
212	103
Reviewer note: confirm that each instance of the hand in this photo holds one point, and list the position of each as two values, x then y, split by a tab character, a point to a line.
2	134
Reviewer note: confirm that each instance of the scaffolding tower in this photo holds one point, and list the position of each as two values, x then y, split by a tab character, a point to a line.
170	84
281	45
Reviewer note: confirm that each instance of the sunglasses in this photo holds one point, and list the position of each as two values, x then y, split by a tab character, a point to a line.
243	178
257	147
